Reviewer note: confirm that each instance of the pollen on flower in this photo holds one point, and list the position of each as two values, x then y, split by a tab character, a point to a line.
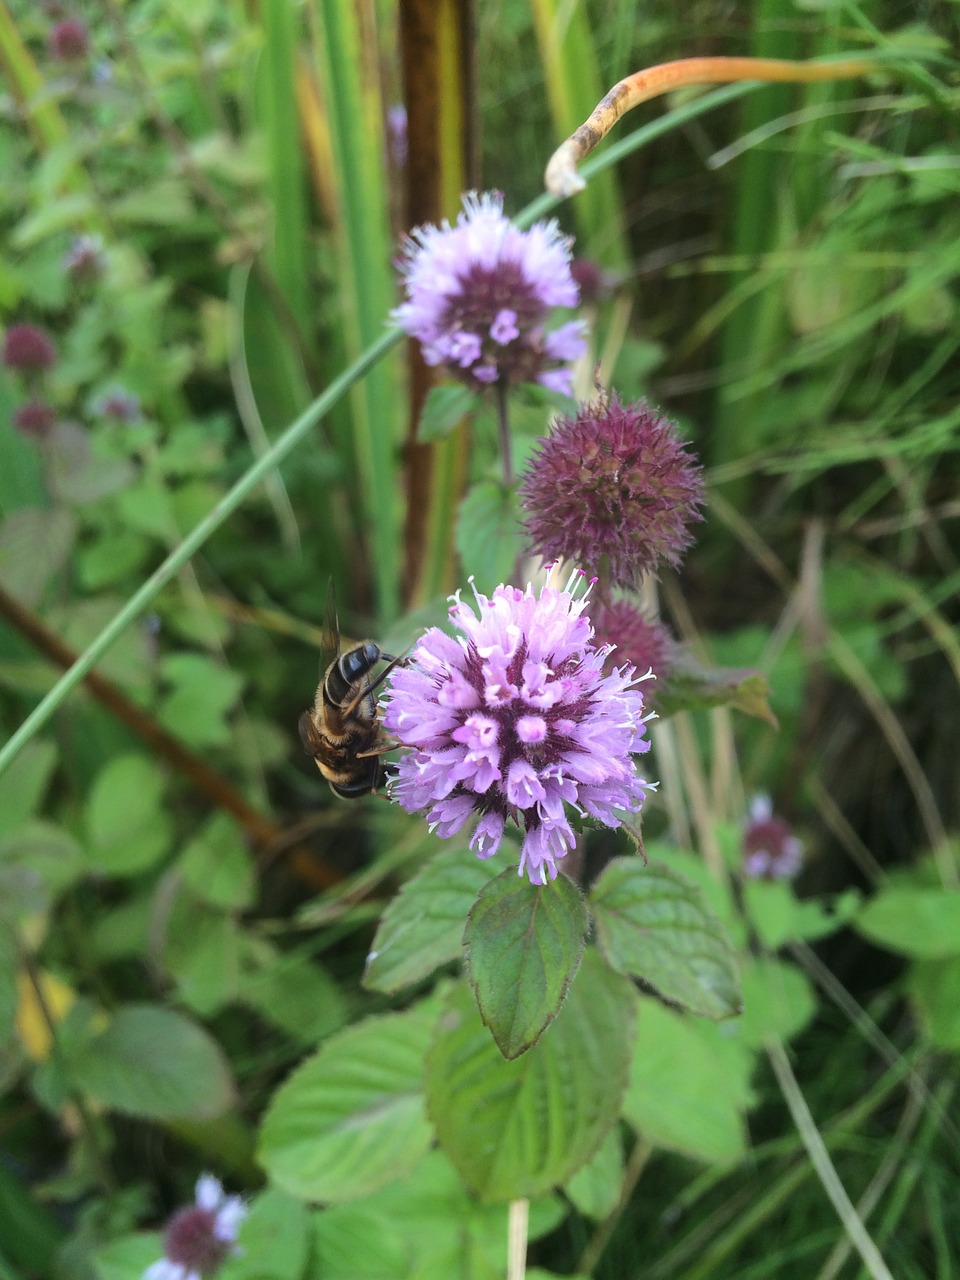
770	850
478	296
516	720
614	483
200	1236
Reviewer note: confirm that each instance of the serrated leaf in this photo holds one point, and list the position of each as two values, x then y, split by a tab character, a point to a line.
691	686
217	865
654	924
524	944
127	827
351	1118
914	921
443	410
422	928
488	534
689	1084
515	1128
156	1063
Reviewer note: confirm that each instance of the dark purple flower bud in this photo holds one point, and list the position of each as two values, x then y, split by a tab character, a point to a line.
614	484
770	851
645	644
200	1236
35	418
28	348
68	41
594	283
84	259
478	296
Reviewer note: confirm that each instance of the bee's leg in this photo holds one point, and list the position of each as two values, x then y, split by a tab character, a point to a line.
372	687
380	750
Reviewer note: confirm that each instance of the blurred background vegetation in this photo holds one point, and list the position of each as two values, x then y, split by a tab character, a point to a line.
779	274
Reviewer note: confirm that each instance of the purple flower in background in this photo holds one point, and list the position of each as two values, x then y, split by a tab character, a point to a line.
201	1235
770	852
28	348
35	418
633	637
397	141
614	482
68	41
478	296
84	259
118	405
514	719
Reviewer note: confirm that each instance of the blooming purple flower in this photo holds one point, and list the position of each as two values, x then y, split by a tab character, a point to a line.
84	259
633	637
68	40
28	348
770	852
35	418
200	1235
515	719
478	296
614	482
118	405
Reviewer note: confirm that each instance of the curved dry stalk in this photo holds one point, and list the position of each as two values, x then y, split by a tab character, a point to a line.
561	177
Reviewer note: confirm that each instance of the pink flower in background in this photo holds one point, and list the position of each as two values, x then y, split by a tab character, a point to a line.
28	348
84	260
200	1235
770	851
68	40
478	296
613	484
35	418
513	719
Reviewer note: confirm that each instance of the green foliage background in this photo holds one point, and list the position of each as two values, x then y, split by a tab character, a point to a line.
191	975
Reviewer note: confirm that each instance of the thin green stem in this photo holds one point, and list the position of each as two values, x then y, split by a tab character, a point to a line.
503	428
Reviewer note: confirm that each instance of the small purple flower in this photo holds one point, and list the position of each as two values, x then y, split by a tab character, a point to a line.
478	296
613	483
397	141
28	348
35	418
515	719
118	405
770	852
68	40
84	259
633	637
201	1235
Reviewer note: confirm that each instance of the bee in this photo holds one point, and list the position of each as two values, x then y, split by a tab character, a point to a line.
342	730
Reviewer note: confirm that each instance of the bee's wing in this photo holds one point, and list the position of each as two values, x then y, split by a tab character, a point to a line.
330	643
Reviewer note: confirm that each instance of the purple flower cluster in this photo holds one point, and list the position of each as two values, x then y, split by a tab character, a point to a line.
770	851
615	483
200	1236
478	296
515	719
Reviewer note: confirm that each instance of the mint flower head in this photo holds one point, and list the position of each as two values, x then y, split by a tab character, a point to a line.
478	296
613	484
200	1236
514	719
770	850
28	348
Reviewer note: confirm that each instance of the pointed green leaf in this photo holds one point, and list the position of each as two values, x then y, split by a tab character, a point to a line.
156	1063
778	1001
127	827
218	866
351	1118
914	921
422	928
443	410
488	534
595	1189
516	1128
524	944
654	924
690	686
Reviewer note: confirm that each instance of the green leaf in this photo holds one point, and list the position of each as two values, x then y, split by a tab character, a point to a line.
76	476
934	987
488	534
779	916
595	1189
206	965
155	1063
128	829
292	991
9	998
914	921
691	686
217	865
653	924
524	944
351	1118
204	694
422	928
34	546
443	410
274	1240
689	1084
515	1128
778	1001
37	862
23	785
128	1256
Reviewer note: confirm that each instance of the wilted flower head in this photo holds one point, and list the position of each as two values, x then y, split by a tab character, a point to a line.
633	637
84	259
118	405
35	418
614	482
28	348
515	719
68	40
479	293
201	1235
770	852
